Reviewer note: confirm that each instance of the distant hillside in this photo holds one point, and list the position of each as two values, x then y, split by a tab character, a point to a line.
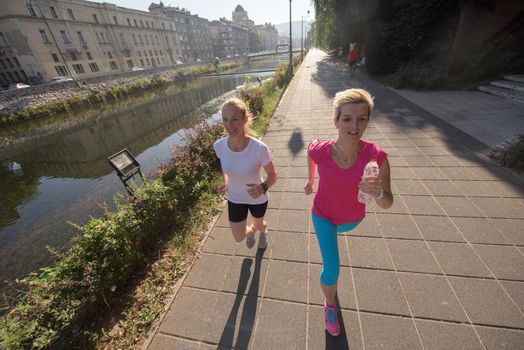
283	28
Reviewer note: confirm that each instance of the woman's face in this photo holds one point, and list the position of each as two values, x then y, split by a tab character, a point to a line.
352	121
234	120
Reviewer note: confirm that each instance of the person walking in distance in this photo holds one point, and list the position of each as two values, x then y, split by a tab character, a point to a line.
336	207
242	157
353	53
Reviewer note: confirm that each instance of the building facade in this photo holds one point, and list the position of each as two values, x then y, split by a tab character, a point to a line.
229	39
193	32
268	36
241	18
47	38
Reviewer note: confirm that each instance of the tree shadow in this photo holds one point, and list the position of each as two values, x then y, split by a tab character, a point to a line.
339	342
296	143
247	318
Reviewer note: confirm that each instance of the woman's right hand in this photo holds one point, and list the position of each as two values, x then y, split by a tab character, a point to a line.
222	187
308	187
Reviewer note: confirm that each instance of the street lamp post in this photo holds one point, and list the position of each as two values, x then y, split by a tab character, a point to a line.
301	37
290	66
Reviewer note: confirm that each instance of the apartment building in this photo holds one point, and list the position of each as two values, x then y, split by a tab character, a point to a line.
47	38
229	39
193	32
268	35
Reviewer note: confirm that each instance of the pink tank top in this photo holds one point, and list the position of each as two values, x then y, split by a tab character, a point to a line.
336	198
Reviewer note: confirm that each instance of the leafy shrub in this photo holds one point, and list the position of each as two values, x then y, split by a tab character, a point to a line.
514	157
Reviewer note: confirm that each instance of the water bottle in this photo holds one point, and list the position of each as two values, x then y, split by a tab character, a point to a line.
370	170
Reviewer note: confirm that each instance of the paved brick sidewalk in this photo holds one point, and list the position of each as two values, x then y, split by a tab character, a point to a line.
442	269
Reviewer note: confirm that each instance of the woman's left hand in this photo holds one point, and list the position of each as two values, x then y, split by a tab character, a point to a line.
255	190
371	185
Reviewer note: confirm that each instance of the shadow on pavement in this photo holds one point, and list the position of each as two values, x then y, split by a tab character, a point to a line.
341	341
296	143
247	318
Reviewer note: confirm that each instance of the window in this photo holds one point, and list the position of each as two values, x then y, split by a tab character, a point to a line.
81	39
134	20
150	53
153	25
156	53
147	60
23	75
30	9
113	65
109	55
89	57
93	67
9	62
55	57
98	38
151	36
140	39
134	38
17	76
71	14
61	70
147	40
3	40
130	63
115	20
95	18
44	36
3	64
142	62
53	11
147	24
16	61
107	37
163	25
145	53
122	39
73	56
128	22
141	24
158	60
11	77
64	37
78	68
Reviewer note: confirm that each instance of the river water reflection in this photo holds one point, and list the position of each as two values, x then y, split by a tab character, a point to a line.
65	177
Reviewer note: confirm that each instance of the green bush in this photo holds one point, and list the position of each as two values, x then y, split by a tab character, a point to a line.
514	157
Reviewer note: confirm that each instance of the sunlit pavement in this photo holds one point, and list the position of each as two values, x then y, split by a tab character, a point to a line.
442	269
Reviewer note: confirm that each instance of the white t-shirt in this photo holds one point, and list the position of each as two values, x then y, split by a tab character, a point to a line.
243	168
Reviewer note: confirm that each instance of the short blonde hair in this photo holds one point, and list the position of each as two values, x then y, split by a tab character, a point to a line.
242	107
352	96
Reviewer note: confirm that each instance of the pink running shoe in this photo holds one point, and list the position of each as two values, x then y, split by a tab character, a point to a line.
331	318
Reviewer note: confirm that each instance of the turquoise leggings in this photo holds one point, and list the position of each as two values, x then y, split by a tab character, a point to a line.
327	241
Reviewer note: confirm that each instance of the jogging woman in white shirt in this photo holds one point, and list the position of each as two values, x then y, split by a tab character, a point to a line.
242	157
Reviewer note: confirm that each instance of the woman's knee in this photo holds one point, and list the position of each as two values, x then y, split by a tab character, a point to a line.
329	275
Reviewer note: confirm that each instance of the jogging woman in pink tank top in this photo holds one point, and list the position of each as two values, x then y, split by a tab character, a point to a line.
341	164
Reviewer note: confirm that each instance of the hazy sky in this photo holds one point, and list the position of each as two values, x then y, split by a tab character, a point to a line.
260	11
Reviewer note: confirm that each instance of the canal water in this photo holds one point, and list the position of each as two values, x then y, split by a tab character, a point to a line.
65	177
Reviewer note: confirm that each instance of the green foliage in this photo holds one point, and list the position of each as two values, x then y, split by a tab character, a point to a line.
58	301
514	157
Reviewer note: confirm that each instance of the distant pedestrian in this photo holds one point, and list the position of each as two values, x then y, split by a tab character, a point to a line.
340	167
242	157
353	54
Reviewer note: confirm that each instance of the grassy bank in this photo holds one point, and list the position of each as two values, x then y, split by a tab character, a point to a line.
99	96
111	286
